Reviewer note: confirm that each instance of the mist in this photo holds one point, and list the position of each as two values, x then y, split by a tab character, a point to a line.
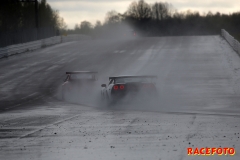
168	97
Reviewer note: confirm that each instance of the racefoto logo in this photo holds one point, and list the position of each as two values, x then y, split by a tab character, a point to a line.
210	151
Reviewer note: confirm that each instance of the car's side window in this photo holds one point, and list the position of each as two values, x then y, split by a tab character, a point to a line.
110	81
67	79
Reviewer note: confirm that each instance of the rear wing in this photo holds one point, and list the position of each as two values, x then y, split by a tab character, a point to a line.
143	76
134	79
82	75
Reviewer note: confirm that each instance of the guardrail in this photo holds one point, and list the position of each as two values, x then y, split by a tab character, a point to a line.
231	40
24	47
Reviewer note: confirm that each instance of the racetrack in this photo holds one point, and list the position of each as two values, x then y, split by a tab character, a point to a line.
198	104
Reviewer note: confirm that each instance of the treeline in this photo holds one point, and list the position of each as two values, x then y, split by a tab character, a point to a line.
160	19
17	15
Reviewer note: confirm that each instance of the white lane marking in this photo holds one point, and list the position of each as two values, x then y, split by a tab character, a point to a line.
52	67
13	106
71	59
30	95
23	103
119	51
47	126
132	53
144	57
62	61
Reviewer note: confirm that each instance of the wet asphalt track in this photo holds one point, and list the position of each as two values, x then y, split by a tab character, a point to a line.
198	84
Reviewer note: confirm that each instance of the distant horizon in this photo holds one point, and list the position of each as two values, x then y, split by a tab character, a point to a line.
76	11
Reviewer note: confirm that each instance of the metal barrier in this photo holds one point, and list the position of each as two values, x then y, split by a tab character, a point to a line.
231	40
24	47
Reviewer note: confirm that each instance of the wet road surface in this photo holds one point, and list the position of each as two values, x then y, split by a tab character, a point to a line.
198	84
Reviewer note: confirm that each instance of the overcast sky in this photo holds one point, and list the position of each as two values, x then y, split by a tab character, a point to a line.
75	11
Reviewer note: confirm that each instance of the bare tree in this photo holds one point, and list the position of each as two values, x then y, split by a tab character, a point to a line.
139	10
76	27
161	11
60	23
98	24
113	17
85	27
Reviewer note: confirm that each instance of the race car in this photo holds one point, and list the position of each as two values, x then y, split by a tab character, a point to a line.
77	80
129	87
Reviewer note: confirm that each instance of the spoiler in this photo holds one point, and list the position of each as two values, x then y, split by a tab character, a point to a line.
81	72
82	75
142	76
